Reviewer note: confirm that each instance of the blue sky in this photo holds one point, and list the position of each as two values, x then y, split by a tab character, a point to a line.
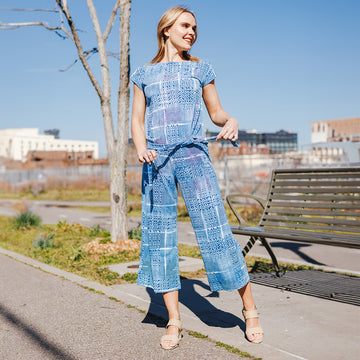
280	64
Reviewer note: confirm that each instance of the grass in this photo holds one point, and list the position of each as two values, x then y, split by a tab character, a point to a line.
197	335
235	350
61	193
25	219
66	251
61	246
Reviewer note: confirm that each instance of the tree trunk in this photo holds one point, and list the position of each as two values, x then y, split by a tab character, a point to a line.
118	159
118	198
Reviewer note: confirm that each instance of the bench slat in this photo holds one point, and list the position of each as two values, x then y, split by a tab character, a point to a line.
320	211
310	220
317	175
331	205
311	190
343	229
304	236
316	183
345	170
334	198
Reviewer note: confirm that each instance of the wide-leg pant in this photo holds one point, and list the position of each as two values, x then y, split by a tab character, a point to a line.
190	167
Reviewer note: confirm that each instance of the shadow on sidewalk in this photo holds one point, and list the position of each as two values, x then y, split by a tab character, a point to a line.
34	335
296	248
199	305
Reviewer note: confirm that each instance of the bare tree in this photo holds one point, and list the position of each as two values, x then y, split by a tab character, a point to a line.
116	147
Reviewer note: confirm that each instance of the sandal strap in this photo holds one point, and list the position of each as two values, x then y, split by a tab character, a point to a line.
250	314
175	322
255	330
173	338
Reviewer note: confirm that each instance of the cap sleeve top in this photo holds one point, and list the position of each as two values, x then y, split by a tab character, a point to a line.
173	93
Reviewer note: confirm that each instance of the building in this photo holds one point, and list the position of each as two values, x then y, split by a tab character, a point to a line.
219	152
55	132
278	142
335	130
336	139
15	144
59	159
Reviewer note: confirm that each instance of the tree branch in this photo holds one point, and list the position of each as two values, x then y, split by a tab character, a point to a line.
105	74
111	20
65	10
14	26
20	9
88	54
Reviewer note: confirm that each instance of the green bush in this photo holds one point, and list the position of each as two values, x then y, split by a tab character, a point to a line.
135	234
131	277
44	241
26	219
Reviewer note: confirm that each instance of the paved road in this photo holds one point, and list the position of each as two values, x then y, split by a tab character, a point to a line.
44	317
328	257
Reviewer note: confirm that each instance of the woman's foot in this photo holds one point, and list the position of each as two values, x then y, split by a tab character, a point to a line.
254	332
173	335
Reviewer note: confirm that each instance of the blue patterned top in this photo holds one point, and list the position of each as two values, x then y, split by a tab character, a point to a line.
173	93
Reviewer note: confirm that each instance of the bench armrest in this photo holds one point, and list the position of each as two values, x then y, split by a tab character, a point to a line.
231	201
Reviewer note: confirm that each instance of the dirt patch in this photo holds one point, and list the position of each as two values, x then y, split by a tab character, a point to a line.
96	246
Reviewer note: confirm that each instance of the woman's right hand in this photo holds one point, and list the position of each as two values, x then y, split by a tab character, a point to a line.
148	155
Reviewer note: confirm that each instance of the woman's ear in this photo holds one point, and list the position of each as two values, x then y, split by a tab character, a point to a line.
166	33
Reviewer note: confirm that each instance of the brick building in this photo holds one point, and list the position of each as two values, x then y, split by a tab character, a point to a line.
335	130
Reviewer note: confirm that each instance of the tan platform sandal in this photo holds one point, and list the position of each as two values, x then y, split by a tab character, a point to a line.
173	338
250	332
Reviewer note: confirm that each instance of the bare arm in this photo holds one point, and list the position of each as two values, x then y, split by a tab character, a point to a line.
138	127
218	115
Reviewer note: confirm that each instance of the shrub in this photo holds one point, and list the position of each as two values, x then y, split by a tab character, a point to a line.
135	234
26	219
44	241
131	277
95	230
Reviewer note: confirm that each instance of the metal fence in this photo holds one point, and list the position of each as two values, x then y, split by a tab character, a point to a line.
98	174
251	174
245	174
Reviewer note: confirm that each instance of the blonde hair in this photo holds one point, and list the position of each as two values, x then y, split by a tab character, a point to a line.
166	21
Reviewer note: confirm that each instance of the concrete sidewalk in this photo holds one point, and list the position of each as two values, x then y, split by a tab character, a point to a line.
79	324
45	317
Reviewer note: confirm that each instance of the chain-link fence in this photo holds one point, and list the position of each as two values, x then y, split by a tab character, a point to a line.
237	174
251	174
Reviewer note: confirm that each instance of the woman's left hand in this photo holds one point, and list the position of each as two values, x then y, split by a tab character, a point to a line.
230	130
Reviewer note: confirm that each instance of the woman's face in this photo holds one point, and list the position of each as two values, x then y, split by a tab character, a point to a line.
182	33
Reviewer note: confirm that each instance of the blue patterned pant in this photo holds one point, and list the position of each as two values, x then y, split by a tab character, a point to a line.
188	166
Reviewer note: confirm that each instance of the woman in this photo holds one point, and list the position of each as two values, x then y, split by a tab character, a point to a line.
170	141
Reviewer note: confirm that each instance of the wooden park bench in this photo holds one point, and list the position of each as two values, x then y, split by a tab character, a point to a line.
320	206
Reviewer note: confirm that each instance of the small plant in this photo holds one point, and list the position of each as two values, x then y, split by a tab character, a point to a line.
135	234
79	255
105	240
182	211
130	276
26	219
95	230
197	335
44	241
234	350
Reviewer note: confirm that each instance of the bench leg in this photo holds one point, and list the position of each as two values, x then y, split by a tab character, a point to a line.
272	255
249	245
